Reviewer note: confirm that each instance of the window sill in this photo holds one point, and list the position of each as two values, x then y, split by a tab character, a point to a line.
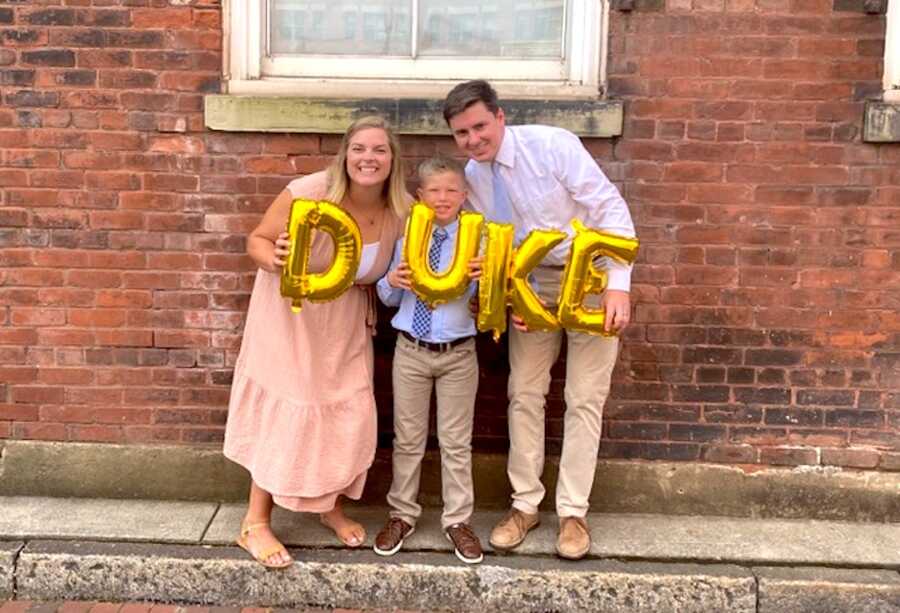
587	118
882	122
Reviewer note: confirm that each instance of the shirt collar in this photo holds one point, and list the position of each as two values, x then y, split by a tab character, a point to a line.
451	228
506	153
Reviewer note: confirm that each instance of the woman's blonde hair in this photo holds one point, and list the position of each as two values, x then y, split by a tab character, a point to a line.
394	188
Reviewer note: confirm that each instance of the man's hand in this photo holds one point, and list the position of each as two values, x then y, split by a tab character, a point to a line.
518	323
399	278
473	306
617	304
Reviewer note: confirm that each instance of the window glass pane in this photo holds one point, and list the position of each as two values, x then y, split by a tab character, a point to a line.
491	28
341	27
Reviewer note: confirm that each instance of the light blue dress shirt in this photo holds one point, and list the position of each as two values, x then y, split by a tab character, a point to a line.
449	321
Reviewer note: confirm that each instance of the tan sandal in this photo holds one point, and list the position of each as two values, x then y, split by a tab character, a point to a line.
264	555
325	523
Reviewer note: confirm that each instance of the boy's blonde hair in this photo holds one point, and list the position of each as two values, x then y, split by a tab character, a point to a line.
438	164
394	187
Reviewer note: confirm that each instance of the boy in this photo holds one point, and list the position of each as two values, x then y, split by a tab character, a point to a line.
433	348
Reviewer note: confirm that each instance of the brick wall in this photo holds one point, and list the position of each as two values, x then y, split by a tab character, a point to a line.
766	327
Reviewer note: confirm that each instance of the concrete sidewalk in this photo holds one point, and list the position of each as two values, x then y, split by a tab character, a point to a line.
126	550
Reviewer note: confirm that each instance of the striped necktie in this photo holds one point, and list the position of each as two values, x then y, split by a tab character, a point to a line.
421	321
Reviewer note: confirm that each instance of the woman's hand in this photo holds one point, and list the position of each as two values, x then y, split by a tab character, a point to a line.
399	278
282	249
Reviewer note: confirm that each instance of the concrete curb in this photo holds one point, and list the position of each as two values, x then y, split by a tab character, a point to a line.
9	550
50	570
827	590
35	468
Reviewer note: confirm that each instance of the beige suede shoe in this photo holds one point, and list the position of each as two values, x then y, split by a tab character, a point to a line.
512	529
574	538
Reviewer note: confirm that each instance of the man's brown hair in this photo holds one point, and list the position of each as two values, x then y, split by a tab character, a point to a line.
468	93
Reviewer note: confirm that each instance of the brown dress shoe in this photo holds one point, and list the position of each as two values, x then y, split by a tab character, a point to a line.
390	539
574	538
512	529
468	547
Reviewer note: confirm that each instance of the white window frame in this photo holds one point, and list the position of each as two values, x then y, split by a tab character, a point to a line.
248	70
892	53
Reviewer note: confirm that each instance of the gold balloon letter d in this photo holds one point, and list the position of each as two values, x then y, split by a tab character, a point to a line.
296	280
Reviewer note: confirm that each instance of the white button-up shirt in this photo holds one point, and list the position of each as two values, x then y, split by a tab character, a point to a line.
551	179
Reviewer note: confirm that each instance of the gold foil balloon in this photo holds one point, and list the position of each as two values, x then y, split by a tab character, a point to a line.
524	301
493	284
581	277
438	288
297	281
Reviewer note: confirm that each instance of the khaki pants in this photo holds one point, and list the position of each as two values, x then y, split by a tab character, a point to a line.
589	364
454	374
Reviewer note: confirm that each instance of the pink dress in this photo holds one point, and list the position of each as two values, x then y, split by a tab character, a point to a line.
302	415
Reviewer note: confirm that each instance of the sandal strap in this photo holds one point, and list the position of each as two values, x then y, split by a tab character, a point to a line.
246	529
265	554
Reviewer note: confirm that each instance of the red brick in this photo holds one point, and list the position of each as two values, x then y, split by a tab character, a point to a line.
19	412
31	158
169	18
788	456
37	317
116	220
125	141
97	433
178	144
37	394
39	431
693	172
211	19
124	337
66	337
191	82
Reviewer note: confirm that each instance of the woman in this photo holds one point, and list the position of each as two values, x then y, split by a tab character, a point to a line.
302	413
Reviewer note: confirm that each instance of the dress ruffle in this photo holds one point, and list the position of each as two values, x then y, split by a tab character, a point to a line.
261	437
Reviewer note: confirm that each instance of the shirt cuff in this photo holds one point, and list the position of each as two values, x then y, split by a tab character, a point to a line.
619	277
390	296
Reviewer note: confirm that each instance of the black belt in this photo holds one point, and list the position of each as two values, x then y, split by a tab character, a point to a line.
437	347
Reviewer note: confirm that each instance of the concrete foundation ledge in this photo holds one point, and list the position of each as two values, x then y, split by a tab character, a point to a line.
97	470
827	590
49	571
8	552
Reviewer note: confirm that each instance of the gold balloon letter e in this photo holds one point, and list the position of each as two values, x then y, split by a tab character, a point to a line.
581	277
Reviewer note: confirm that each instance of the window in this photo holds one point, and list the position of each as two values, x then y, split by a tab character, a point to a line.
892	53
549	47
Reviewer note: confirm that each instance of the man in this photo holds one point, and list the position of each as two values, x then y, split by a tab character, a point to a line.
541	177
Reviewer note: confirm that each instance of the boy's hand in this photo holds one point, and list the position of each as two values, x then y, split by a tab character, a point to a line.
475	265
399	278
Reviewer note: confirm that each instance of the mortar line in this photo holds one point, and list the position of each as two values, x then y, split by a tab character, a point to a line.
15	571
756	581
210	521
749	564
